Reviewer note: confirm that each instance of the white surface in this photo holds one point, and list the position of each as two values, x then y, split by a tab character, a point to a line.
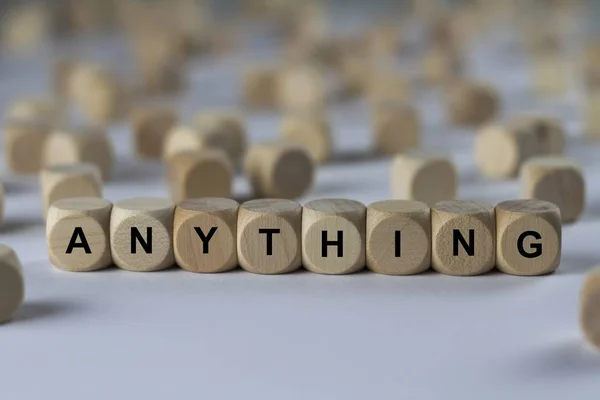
174	334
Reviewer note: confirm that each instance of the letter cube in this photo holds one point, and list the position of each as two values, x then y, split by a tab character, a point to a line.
396	128
471	103
24	141
259	87
77	234
12	285
141	234
589	308
333	236
302	87
311	130
398	237
149	126
528	237
204	234
269	236
463	237
223	130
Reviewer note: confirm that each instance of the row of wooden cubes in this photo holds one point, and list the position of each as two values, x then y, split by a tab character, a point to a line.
328	236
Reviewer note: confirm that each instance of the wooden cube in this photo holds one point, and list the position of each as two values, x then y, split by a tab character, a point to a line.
269	236
528	237
301	88
549	132
333	236
463	237
24	141
441	65
471	103
259	87
398	237
396	128
141	234
69	180
223	130
589	307
77	234
204	235
41	110
551	74
556	179
80	145
203	173
279	170
425	177
12	285
150	126
387	87
311	130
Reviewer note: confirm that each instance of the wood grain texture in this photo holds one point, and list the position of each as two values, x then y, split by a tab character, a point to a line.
528	237
153	215
422	176
333	219
12	284
411	254
589	307
396	128
80	145
24	141
78	234
471	103
474	223
220	252
279	170
224	130
311	130
259	87
556	179
149	127
269	236
202	173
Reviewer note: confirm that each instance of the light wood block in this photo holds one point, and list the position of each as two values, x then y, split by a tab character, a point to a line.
396	128
589	308
80	145
149	127
471	103
12	284
551	74
311	130
24	141
425	177
279	170
528	237
69	180
301	88
202	173
398	237
333	236
223	130
556	179
45	111
25	27
204	235
463	237
77	234
269	236
441	65
141	234
500	150
387	87
259	87
549	132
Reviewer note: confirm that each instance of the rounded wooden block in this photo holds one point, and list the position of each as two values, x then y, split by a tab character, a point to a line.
279	170
549	133
589	308
423	177
463	237
269	236
471	103
204	235
302	88
69	180
259	87
77	234
141	232
223	130
333	236
203	173
396	128
85	145
150	126
12	285
398	237
500	150
310	130
528	237
555	179
24	141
